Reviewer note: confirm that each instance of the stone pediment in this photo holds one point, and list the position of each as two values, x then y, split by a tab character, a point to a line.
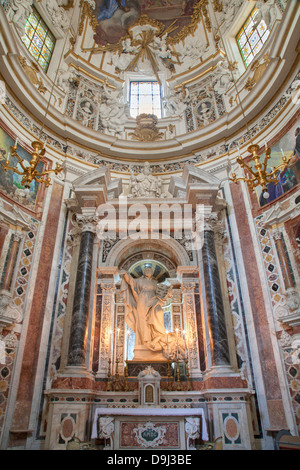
193	175
94	188
196	185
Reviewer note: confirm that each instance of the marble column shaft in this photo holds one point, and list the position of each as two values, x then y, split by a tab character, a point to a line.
215	308
81	301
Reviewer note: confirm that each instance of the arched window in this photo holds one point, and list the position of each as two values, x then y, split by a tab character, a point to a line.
252	37
38	39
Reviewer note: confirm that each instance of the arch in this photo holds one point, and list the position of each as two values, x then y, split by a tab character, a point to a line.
169	249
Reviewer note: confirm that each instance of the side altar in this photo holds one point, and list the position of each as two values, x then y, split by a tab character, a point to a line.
148	358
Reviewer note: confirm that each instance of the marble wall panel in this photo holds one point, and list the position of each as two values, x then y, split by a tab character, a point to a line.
129	439
260	319
275	289
32	344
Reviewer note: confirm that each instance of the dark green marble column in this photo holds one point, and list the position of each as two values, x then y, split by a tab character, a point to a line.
82	292
214	301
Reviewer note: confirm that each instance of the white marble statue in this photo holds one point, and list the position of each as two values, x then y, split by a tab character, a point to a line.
175	103
112	110
57	14
65	78
106	428
192	429
192	52
145	184
143	299
224	76
267	11
229	12
19	12
144	313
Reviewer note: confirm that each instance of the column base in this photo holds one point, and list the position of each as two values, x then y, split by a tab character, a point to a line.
221	371
76	371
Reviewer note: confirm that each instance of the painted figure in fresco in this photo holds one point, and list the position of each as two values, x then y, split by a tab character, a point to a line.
297	144
295	164
114	18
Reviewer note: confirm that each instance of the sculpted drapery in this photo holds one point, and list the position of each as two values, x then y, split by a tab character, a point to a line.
144	298
144	313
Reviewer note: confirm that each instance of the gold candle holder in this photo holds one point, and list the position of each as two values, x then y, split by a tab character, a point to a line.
169	377
108	386
117	387
179	385
187	371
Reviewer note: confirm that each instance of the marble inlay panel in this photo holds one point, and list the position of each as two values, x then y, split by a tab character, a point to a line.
128	439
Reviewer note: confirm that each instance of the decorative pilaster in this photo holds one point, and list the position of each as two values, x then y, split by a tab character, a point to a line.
219	350
291	312
81	302
284	260
190	327
10	313
108	327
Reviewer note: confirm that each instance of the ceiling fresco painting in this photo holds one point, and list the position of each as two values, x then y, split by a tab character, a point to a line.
112	19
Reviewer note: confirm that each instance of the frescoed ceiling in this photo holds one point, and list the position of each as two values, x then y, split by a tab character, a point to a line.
111	19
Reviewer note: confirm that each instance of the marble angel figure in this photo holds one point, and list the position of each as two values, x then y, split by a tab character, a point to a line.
144	314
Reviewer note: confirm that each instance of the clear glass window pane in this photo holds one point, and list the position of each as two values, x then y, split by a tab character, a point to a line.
145	98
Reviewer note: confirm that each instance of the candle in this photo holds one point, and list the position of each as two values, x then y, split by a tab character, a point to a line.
117	345
266	146
168	344
127	345
239	151
177	341
282	153
16	142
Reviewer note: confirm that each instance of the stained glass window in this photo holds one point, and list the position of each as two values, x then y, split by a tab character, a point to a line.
252	37
38	39
145	97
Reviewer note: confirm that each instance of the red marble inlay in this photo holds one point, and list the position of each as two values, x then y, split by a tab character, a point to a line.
170	440
231	428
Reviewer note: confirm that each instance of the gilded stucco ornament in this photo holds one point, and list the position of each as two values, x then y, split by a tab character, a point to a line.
258	68
146	130
32	71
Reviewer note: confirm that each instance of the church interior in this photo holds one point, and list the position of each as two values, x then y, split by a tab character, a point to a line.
149	225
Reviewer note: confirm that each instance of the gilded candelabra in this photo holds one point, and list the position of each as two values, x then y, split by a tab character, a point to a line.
169	376
108	386
260	176
179	384
188	382
117	385
30	173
